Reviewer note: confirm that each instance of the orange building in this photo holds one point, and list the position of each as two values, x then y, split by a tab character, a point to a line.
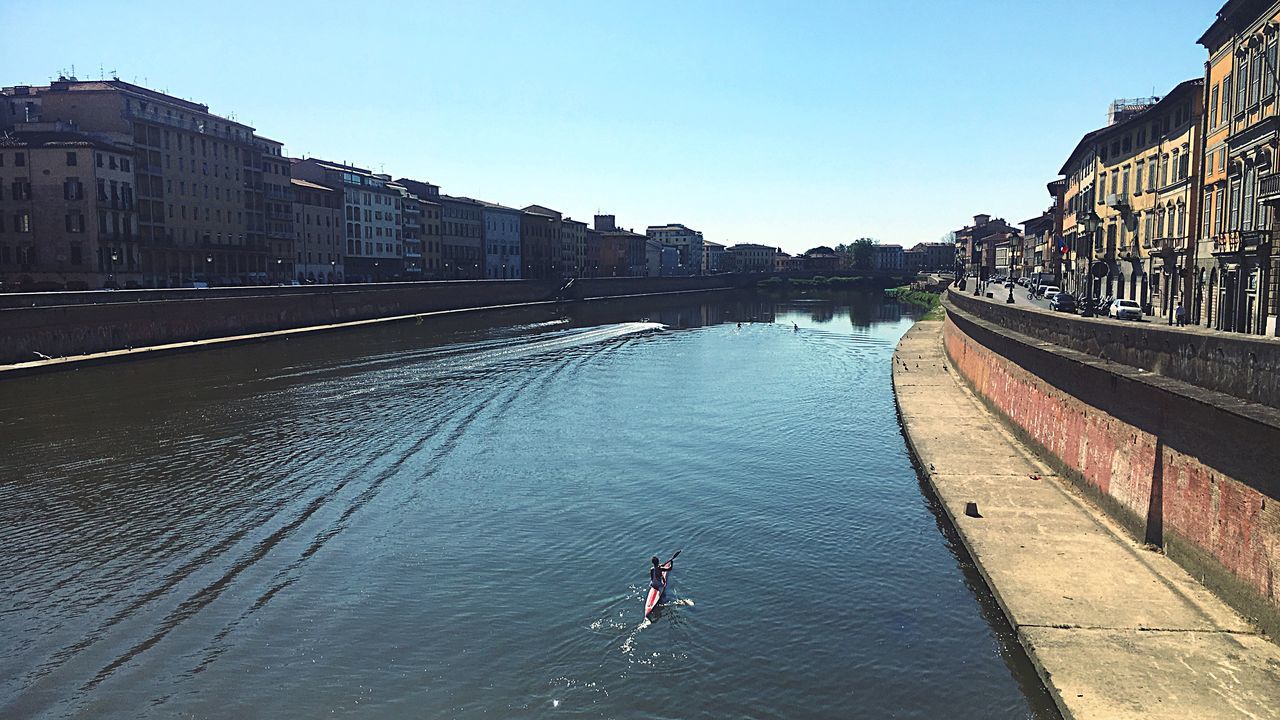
1237	275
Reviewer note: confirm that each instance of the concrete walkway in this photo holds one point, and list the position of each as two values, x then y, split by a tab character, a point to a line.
1115	630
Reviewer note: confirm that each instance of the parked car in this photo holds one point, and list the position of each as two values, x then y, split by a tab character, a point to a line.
1063	302
1048	291
1125	310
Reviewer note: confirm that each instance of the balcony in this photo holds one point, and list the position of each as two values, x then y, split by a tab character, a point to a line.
203	127
275	192
1269	188
1118	201
1168	245
1251	240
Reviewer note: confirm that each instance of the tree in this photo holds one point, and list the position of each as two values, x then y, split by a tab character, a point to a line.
820	250
863	253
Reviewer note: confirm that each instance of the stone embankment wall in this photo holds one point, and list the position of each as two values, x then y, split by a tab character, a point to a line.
80	323
1246	366
1190	469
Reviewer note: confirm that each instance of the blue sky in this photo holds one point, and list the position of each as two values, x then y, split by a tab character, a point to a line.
788	123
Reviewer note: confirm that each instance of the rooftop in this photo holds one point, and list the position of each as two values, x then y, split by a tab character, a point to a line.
53	139
309	185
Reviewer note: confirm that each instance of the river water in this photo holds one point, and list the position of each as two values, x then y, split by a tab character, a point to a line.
454	519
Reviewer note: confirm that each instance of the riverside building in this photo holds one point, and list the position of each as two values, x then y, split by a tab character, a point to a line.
573	247
540	243
750	258
428	195
687	242
502	254
317	229
462	232
67	213
277	210
372	231
199	194
1237	271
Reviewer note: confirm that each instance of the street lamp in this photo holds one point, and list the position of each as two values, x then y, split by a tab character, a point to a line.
1090	227
977	274
333	265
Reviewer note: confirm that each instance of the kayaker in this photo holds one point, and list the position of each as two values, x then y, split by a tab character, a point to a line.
655	574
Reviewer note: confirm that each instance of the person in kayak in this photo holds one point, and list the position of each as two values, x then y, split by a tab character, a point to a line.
656	581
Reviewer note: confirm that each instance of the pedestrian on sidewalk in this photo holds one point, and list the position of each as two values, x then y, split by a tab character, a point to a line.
1180	315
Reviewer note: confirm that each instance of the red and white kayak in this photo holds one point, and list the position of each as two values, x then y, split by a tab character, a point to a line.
655	594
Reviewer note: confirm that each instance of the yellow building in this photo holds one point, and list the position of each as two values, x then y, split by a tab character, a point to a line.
1236	276
1129	198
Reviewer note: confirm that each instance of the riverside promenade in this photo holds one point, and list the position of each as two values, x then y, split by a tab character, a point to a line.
1114	630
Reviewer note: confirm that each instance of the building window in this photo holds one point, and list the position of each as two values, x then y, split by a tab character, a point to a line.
1269	78
19	159
1242	82
1233	220
1226	97
22	221
1255	77
1246	201
71	159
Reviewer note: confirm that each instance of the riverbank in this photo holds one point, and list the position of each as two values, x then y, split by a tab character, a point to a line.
66	325
1113	629
49	364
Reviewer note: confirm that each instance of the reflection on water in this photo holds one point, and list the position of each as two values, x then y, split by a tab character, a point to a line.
454	518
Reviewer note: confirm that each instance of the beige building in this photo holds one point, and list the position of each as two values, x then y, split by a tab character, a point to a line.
688	242
428	195
573	247
317	229
67	213
751	258
198	176
277	210
373	247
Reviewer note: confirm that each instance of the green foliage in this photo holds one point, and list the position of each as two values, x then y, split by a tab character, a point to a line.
915	297
863	253
782	284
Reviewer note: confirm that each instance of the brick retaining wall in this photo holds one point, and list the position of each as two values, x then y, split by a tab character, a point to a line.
1246	366
1189	469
